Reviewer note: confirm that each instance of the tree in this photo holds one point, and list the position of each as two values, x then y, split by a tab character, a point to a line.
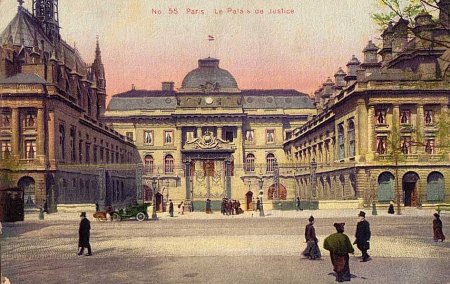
7	167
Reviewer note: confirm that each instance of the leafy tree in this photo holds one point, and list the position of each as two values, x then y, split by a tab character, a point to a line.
7	167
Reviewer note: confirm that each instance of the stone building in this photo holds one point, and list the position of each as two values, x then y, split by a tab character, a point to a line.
53	141
382	128
210	139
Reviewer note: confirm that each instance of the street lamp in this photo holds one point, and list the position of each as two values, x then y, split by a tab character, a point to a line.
261	193
154	184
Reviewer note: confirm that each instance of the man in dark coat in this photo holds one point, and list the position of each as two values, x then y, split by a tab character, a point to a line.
437	228
170	207
339	246
83	235
363	236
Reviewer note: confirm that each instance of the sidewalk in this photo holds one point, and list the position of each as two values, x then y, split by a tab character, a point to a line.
324	213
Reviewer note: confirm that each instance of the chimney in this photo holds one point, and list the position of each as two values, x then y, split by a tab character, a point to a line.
444	12
339	78
386	51
352	66
423	30
400	39
370	63
167	86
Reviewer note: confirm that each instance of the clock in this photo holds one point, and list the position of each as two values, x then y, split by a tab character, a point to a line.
208	100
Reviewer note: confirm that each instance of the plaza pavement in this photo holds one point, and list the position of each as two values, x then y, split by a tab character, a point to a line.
202	248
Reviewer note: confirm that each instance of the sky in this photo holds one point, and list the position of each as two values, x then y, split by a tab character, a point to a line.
144	44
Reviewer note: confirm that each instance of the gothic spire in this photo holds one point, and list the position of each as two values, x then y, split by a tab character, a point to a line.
98	53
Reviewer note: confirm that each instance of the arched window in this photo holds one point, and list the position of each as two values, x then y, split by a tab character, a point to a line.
385	186
341	147
168	164
250	163
270	160
148	164
351	138
435	187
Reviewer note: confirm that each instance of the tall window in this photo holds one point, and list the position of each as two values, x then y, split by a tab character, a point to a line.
250	163
148	137
270	136
405	116
88	152
73	155
429	119
168	164
341	146
62	143
250	136
270	160
30	119
168	137
149	164
381	145
5	118
30	149
80	148
351	138
95	154
5	148
405	144
429	146
380	116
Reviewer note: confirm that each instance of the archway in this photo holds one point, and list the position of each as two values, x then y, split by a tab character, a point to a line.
249	200
435	187
385	186
282	192
27	184
159	202
409	183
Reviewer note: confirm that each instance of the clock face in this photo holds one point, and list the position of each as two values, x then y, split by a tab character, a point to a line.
208	100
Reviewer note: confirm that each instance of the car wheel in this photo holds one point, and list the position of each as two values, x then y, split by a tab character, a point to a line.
115	217
140	216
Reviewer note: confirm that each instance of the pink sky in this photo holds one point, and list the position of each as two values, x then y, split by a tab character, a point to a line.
297	51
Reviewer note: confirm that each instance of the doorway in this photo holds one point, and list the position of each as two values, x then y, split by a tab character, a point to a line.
410	189
249	200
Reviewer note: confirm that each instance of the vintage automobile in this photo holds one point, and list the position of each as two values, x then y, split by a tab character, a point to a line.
138	211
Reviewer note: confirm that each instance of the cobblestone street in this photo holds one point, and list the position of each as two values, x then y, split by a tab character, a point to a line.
200	248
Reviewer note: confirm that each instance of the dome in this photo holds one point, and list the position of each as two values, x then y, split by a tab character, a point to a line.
209	78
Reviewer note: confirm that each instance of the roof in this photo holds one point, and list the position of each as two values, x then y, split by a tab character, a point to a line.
144	93
23	78
124	103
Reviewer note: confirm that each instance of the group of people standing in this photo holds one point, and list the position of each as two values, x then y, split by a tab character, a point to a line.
230	207
339	245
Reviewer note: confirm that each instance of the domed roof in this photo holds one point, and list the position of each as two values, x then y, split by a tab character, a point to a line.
209	78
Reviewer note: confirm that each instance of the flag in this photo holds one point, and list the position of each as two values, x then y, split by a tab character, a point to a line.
210	37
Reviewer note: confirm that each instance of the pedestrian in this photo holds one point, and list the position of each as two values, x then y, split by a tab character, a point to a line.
45	207
181	208
83	235
339	246
437	228
312	250
97	207
391	207
363	236
258	205
298	204
170	207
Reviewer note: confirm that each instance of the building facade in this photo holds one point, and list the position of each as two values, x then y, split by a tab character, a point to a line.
381	132
53	141
208	138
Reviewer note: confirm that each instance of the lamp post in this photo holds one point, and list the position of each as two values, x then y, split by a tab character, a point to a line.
154	184
276	178
313	180
261	193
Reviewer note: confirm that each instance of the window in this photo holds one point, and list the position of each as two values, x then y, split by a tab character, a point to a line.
5	119
229	135
62	143
381	145
149	164
429	119
270	136
405	116
429	146
73	155
95	154
88	154
380	116
5	147
148	137
250	136
80	149
129	135
351	138
270	160
405	144
341	147
250	163
30	149
30	119
168	164
168	137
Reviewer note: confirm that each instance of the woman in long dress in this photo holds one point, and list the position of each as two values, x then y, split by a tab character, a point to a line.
312	250
437	228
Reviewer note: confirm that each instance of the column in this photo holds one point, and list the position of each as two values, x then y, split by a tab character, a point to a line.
199	132
15	130
420	125
219	132
362	120
370	133
40	141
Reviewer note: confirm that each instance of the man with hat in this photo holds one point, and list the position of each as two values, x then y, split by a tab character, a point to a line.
363	235
83	235
339	246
